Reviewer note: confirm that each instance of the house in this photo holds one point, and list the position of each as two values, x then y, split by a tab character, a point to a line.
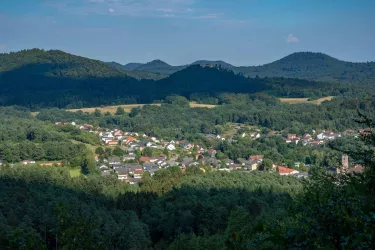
118	133
286	171
113	143
186	145
144	159
154	159
187	161
212	152
228	162
138	173
257	158
251	165
129	157
151	169
211	161
122	173
130	139
321	136
302	175
162	157
105	171
96	157
307	137
316	142
27	162
199	156
357	169
235	166
114	160
108	135
254	135
291	136
88	126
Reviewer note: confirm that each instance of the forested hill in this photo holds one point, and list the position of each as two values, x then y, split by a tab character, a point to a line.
61	64
314	66
55	63
158	66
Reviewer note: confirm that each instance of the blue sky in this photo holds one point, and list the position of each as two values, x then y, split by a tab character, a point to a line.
241	32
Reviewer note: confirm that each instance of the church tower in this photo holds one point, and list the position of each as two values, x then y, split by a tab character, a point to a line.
345	161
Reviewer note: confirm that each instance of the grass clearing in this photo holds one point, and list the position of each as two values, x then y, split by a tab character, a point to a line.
75	172
129	107
198	105
111	109
305	100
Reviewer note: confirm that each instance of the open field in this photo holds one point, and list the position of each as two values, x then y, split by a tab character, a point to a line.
129	107
305	100
75	172
197	105
111	109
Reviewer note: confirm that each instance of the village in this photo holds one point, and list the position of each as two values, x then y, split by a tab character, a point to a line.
130	166
132	163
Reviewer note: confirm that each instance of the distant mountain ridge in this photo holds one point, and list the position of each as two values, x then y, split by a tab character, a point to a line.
305	65
159	66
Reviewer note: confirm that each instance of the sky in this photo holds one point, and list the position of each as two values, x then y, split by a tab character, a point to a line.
240	32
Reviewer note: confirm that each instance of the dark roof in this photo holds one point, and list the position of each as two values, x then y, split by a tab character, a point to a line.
122	171
114	159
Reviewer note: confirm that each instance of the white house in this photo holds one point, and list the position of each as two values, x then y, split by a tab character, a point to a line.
171	147
321	136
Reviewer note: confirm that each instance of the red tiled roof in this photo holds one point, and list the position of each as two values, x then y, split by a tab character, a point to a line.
256	157
138	171
144	159
284	170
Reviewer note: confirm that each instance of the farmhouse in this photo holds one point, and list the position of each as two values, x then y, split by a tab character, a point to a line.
286	171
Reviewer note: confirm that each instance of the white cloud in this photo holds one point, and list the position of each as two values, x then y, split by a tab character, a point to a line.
165	10
168	15
111	10
292	39
208	16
